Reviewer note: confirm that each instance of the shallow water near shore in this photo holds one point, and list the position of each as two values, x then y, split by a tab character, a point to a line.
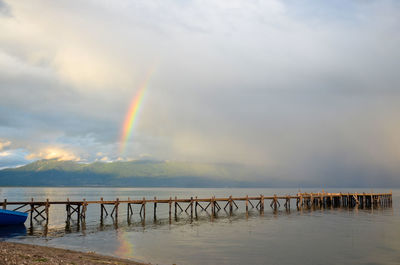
321	236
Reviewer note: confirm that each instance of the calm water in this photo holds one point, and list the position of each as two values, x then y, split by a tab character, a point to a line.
335	236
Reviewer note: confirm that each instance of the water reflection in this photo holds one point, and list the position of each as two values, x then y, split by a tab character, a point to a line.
110	223
40	228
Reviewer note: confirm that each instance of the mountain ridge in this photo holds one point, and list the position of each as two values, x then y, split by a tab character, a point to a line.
52	172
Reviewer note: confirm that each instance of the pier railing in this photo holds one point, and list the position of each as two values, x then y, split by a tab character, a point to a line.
40	209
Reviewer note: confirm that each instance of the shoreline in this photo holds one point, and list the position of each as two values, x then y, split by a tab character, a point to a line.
18	253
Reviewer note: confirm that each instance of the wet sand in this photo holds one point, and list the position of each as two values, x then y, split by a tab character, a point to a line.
15	253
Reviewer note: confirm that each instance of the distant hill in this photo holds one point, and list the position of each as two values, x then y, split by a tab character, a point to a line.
132	173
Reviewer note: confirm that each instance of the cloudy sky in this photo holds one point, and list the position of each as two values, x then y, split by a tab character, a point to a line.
305	89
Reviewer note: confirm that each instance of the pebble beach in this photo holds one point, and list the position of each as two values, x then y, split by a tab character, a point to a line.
16	253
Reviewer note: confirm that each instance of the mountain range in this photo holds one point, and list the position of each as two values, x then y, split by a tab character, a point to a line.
140	173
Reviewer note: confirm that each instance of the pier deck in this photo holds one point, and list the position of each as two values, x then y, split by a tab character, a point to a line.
40	209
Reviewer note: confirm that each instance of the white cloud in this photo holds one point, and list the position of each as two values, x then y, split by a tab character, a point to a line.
105	159
4	144
12	158
5	154
53	153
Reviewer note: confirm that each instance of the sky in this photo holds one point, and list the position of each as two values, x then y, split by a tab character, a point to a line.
298	89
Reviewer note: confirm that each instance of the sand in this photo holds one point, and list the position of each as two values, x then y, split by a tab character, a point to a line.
16	253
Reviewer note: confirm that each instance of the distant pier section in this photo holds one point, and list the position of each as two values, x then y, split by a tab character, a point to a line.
39	210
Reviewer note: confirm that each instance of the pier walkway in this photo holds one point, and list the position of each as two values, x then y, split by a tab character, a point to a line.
39	210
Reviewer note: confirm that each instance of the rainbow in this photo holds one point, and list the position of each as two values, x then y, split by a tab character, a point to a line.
131	115
126	247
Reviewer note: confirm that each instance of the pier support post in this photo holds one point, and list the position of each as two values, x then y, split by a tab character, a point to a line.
129	209
101	209
357	199
372	200
195	207
321	200
169	207
68	208
47	211
247	204
31	215
262	203
349	201
287	202
191	208
364	200
116	205
128	213
84	207
176	206
230	205
301	200
275	203
344	199
213	206
116	210
155	208
144	209
78	213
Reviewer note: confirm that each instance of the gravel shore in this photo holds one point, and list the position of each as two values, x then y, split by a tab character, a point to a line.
15	253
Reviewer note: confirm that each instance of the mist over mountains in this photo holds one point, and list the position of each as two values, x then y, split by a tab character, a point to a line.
150	173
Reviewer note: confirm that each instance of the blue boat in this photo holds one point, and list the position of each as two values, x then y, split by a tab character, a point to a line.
10	231
12	217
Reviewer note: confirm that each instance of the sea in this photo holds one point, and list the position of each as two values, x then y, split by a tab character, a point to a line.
307	236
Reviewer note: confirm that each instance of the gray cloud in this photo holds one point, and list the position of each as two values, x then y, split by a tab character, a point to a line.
299	90
5	9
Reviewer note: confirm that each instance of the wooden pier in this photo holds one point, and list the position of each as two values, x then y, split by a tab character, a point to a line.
39	210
